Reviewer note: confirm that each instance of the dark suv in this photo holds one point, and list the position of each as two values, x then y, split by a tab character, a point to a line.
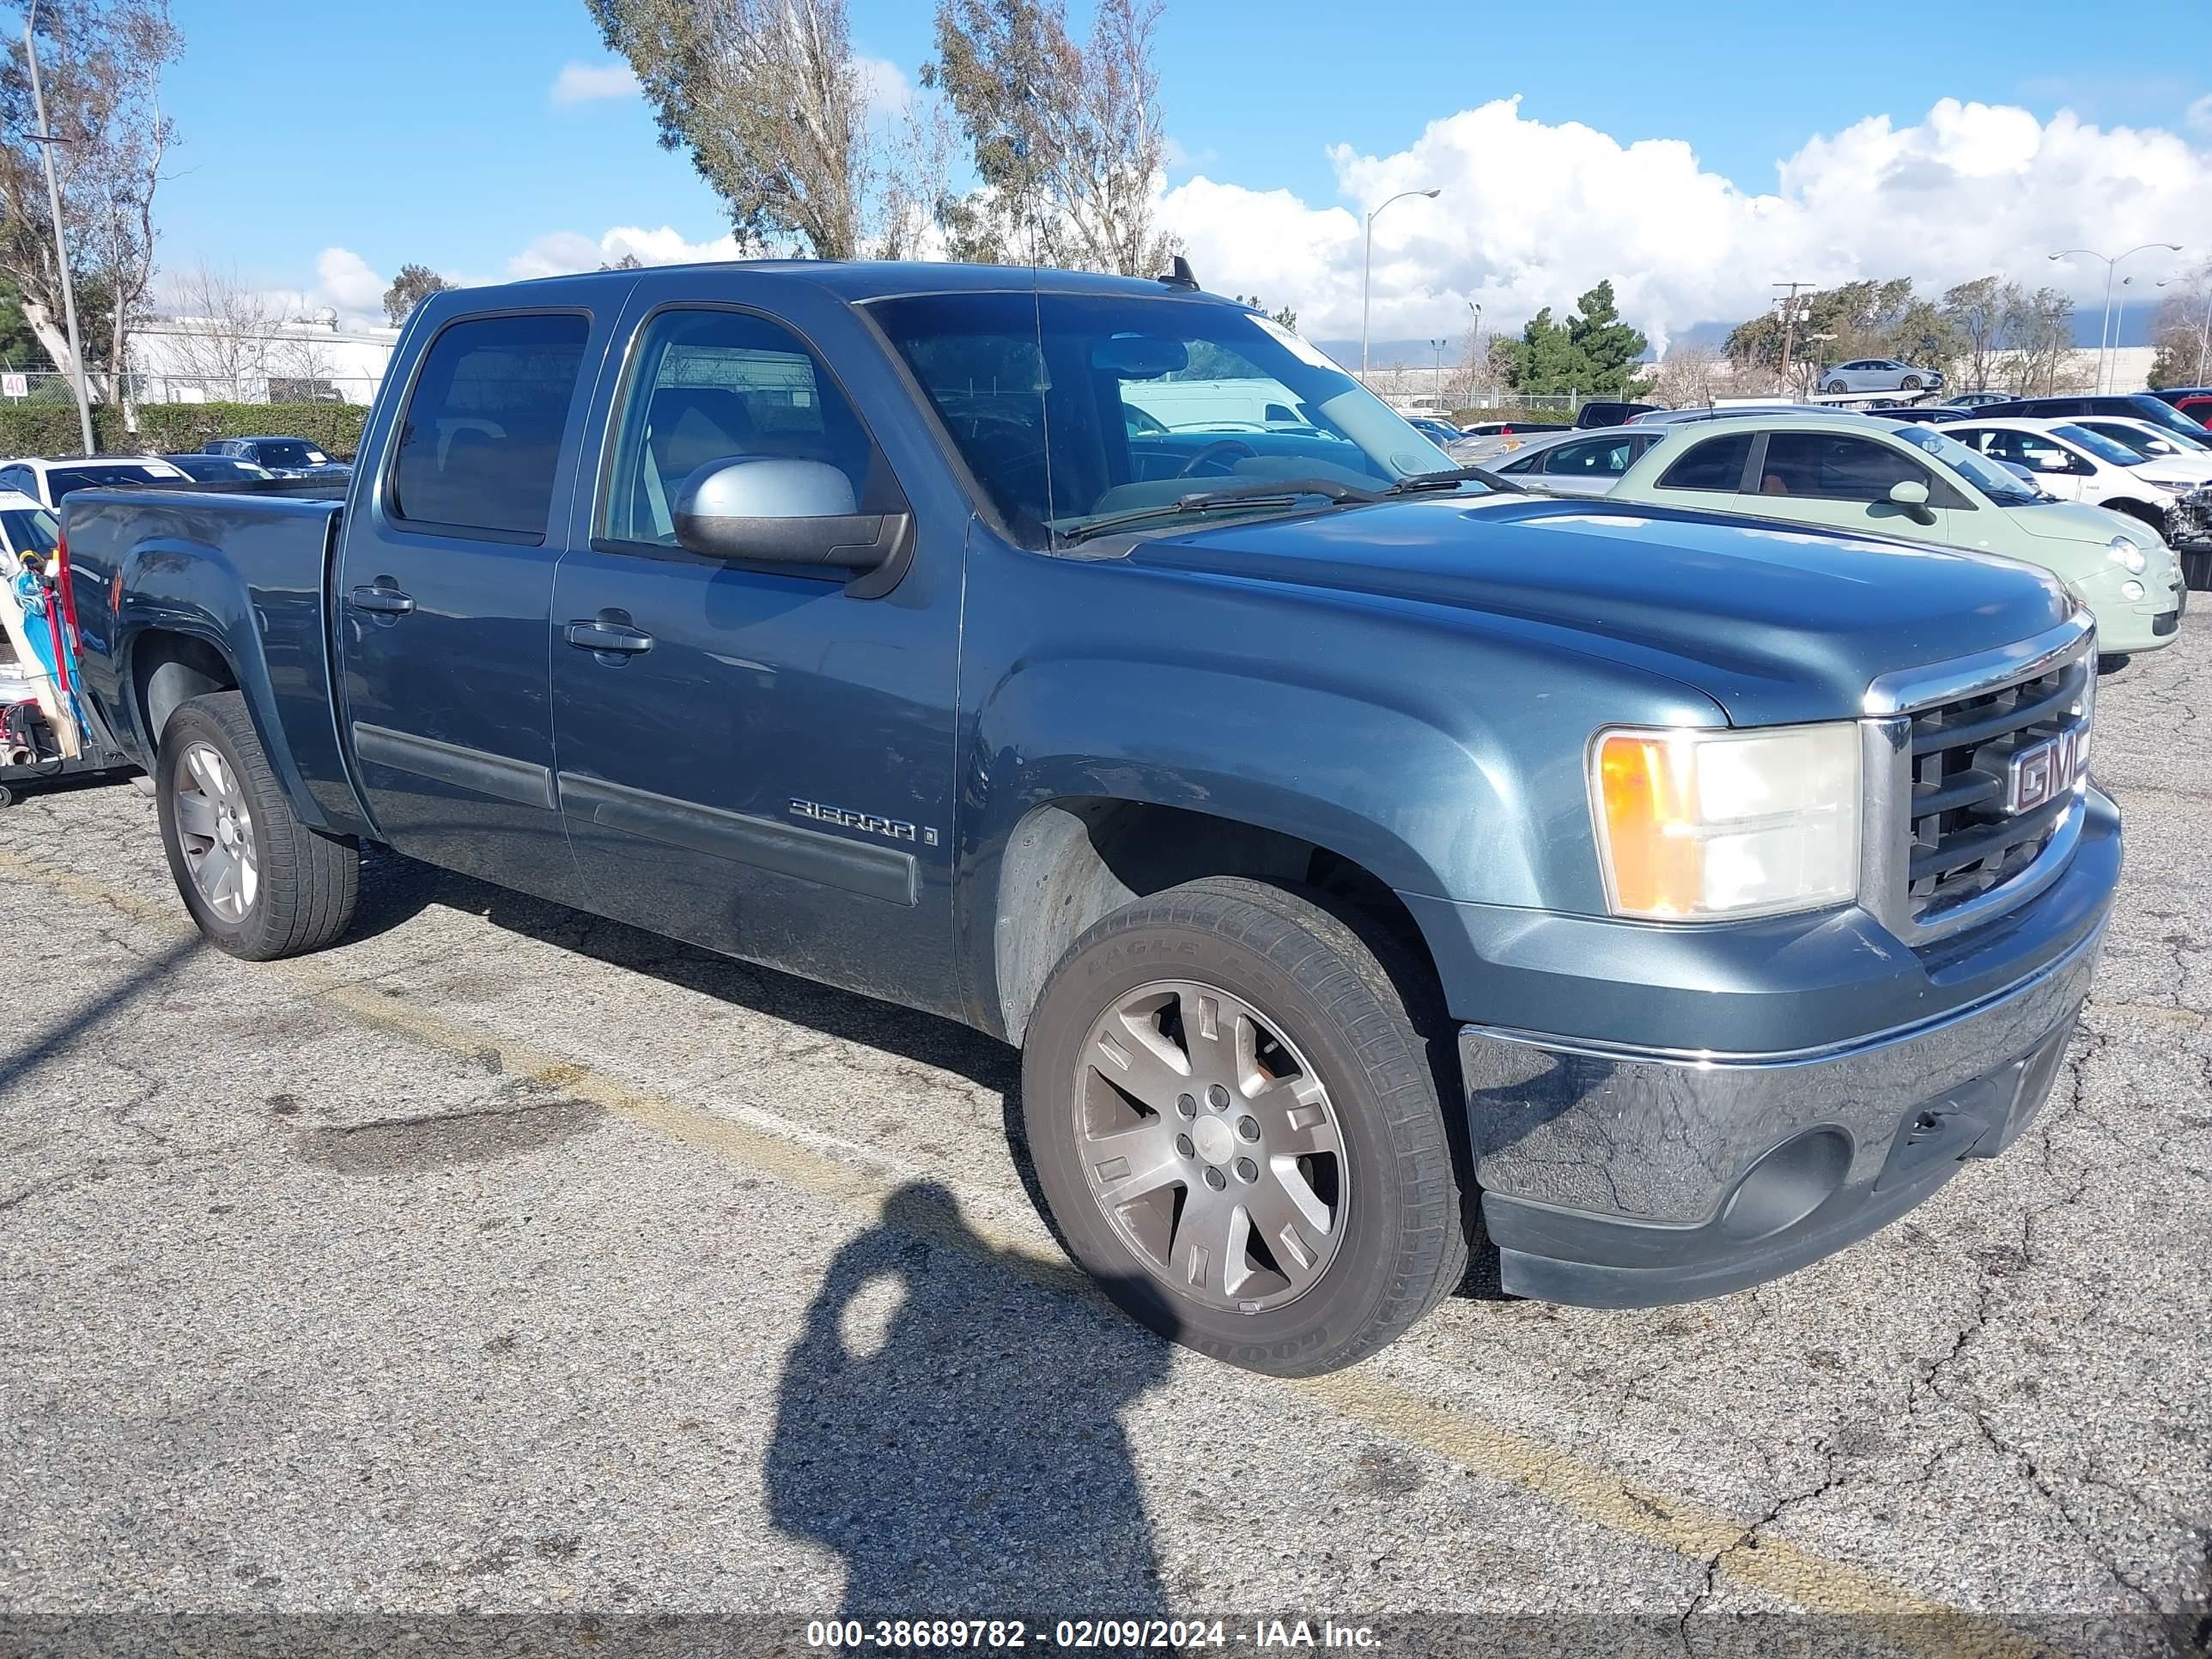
2135	405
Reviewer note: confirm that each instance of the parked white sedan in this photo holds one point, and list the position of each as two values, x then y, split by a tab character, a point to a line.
2169	453
1579	462
2075	464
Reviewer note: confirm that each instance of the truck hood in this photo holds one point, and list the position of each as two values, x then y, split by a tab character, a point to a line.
1774	623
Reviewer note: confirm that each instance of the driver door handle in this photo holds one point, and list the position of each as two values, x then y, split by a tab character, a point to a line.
382	599
604	638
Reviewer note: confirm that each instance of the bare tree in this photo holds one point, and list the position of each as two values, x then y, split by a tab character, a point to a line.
2038	358
1067	137
221	336
768	98
1978	311
1690	376
2184	333
101	62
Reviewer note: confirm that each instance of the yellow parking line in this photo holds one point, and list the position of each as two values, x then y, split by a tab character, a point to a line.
1690	1530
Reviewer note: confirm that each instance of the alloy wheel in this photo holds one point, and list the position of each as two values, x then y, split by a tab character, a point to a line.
214	829
1211	1145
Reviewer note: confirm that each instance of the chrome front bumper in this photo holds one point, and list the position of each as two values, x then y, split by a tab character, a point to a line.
1625	1177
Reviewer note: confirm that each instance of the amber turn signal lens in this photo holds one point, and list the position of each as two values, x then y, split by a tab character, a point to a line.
1648	782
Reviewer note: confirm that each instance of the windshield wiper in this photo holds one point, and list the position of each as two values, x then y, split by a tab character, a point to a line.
1458	475
1287	491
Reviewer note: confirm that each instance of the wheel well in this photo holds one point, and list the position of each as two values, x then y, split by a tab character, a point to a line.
168	669
1072	861
2150	516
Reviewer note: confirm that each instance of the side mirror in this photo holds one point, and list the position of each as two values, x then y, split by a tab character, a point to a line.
1911	494
771	509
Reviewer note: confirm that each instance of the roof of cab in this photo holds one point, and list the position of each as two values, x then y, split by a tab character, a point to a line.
877	279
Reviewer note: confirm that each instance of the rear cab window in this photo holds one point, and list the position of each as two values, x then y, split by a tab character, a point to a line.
481	437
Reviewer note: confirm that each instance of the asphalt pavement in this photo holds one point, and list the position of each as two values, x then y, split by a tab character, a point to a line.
503	1260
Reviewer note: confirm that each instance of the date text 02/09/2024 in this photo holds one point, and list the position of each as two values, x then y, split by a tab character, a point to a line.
994	1635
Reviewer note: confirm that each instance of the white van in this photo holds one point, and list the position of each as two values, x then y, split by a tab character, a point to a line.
1249	405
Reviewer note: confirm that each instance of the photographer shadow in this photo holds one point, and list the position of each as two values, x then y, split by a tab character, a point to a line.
963	1453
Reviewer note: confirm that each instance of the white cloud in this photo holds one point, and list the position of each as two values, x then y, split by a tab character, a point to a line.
566	250
1532	214
887	89
345	282
2199	116
592	83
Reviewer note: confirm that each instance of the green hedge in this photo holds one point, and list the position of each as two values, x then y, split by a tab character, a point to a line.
1546	416
172	428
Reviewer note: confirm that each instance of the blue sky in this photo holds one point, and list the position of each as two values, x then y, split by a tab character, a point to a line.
409	130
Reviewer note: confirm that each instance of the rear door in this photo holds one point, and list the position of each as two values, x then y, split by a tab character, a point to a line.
445	593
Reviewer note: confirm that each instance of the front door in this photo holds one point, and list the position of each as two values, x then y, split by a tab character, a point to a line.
444	594
755	758
1842	481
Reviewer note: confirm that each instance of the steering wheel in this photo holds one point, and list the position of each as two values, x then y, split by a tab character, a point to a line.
1220	449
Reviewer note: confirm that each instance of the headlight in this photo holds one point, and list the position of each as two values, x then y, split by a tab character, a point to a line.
2126	555
1693	825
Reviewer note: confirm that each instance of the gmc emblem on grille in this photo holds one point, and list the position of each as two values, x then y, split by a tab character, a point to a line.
2043	771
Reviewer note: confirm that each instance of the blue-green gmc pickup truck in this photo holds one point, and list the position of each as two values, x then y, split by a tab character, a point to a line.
1372	864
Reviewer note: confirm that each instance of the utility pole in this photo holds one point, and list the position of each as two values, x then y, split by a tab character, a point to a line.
1788	302
47	140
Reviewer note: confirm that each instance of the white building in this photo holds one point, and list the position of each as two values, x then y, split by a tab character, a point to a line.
198	360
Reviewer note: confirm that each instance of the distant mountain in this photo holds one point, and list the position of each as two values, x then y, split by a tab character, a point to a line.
2137	320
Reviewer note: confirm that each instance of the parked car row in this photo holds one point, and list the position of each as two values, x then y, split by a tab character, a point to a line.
47	479
2108	530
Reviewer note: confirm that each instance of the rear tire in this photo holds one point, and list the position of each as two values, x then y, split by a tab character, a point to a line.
260	883
1271	1072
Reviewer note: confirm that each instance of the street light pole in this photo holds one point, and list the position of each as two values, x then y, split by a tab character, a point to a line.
1367	272
2112	263
47	140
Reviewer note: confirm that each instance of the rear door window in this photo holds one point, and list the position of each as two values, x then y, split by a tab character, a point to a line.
1715	464
482	433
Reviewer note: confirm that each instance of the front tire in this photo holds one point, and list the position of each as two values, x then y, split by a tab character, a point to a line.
260	883
1237	1129
1910	383
1837	387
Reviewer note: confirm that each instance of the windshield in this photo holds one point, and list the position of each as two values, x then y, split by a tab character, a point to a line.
2160	442
288	452
30	530
1985	475
1070	408
2096	444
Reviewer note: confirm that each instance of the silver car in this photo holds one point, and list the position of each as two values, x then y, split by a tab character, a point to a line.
1879	375
1578	463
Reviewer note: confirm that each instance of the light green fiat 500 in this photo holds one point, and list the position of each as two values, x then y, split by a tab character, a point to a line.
1889	477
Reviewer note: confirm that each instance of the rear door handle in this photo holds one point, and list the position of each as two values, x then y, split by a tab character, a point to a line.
604	638
382	599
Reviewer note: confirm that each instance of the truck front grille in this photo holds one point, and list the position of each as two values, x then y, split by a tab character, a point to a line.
1993	782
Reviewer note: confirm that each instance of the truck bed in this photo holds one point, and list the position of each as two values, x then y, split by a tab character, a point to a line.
170	555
